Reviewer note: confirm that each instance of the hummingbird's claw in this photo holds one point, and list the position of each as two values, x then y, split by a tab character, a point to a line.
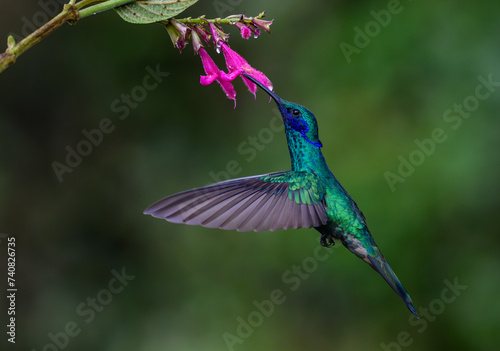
326	240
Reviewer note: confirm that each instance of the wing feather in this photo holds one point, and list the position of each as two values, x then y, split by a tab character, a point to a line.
252	203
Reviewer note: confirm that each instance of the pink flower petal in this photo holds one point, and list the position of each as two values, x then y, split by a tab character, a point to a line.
236	63
208	64
228	89
213	73
261	77
232	76
207	80
244	30
252	87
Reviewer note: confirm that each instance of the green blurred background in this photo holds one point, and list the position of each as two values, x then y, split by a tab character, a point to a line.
193	285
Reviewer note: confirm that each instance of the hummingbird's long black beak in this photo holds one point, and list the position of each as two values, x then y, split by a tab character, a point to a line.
276	98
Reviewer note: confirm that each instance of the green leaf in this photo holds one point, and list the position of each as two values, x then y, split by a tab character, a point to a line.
151	11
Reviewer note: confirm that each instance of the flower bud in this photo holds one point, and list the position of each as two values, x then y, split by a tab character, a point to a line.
218	36
245	31
262	24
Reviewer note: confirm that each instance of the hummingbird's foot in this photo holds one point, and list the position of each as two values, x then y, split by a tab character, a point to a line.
326	240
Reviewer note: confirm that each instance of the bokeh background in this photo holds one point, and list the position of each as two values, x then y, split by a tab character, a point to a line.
193	285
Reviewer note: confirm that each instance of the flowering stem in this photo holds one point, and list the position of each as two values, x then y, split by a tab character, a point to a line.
228	20
74	11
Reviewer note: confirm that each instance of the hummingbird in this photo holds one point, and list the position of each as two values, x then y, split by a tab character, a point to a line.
307	196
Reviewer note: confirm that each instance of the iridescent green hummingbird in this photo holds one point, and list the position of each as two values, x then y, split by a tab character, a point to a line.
308	196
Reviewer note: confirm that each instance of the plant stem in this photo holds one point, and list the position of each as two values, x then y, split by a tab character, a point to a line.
103	6
10	55
228	20
70	13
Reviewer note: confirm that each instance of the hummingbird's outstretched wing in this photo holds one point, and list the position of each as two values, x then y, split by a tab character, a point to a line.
281	200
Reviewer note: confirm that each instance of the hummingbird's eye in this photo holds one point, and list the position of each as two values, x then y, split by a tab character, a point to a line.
295	112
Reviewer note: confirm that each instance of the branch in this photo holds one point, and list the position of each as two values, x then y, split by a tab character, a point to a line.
71	13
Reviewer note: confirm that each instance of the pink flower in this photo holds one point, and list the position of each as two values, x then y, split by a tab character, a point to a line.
237	65
177	39
218	36
179	33
262	24
213	73
203	33
254	29
181	27
245	31
197	44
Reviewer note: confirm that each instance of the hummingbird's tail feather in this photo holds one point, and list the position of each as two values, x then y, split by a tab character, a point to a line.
380	264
